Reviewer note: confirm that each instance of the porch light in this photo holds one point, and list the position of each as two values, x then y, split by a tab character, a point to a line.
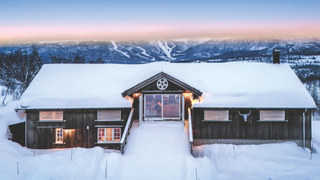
66	130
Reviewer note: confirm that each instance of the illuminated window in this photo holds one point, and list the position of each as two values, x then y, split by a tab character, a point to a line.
59	136
216	115
272	115
109	115
109	134
101	135
51	115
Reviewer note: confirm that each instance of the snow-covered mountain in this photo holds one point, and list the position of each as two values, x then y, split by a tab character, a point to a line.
172	50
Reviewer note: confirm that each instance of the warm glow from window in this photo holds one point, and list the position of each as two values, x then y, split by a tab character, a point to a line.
109	134
101	136
59	135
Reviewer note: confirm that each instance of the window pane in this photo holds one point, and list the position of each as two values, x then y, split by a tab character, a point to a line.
101	136
59	135
221	115
117	134
273	115
109	134
171	106
51	115
109	115
153	106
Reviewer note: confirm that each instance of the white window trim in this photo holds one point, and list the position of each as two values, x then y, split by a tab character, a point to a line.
224	120
44	120
56	138
272	120
108	119
105	136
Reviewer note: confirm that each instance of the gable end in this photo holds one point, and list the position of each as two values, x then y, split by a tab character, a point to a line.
145	83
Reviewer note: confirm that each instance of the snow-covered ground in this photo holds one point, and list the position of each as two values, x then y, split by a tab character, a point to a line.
159	150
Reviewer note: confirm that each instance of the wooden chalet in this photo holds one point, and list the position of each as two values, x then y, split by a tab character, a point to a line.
87	105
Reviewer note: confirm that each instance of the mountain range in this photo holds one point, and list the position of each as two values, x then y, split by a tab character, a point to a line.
172	50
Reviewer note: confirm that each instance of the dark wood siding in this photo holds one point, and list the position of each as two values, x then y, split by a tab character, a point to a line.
42	134
253	128
18	133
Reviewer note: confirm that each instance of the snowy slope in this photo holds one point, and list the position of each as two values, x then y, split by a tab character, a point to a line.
166	48
115	47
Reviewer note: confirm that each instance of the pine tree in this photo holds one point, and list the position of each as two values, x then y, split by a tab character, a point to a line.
79	59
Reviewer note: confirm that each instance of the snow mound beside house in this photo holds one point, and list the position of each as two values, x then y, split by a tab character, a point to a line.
17	162
266	161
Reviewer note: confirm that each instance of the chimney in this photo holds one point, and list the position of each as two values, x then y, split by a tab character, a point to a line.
276	56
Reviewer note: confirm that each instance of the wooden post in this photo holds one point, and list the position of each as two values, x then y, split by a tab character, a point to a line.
34	147
17	167
106	170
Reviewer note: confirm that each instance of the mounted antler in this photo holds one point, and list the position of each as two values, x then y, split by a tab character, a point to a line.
245	116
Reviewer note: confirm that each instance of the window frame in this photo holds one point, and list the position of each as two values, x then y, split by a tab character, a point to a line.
273	120
105	135
99	111
56	136
49	120
162	117
216	120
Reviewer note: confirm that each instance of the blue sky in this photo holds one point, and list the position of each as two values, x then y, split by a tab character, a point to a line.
77	13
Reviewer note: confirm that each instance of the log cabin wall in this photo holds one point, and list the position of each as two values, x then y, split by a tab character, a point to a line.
253	129
41	134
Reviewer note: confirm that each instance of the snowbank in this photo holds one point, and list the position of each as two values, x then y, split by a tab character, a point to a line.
267	161
160	150
316	135
17	162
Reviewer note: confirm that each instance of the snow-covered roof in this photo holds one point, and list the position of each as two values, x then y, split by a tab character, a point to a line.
256	85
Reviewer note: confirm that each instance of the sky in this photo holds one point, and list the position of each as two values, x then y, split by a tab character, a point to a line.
62	20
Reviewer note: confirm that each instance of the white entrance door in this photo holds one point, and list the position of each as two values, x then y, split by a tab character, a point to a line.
162	106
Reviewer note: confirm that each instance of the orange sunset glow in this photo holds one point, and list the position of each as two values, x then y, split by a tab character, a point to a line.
72	20
158	31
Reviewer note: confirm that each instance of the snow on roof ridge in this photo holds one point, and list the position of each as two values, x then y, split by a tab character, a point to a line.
261	84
